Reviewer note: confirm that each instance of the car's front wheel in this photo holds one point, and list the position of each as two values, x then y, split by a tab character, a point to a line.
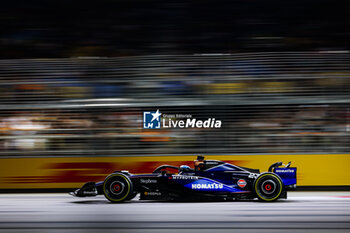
268	187
131	196
117	187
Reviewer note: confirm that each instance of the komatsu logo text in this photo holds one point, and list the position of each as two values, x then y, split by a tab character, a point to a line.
207	186
284	171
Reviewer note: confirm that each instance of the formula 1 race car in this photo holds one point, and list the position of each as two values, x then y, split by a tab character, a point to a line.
209	180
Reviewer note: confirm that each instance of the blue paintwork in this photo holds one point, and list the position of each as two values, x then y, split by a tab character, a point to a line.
220	178
223	167
288	175
206	184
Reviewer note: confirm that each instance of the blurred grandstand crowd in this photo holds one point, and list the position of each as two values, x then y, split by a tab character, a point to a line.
106	131
267	102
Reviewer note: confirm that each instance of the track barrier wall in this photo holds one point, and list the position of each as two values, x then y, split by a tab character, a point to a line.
72	172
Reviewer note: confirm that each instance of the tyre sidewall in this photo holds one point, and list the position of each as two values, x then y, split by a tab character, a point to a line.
131	196
123	188
264	177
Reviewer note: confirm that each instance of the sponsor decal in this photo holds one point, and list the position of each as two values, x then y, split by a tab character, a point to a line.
207	186
148	181
152	193
211	162
285	170
253	175
241	183
211	185
179	177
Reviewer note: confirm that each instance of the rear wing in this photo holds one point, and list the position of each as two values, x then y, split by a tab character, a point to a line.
288	174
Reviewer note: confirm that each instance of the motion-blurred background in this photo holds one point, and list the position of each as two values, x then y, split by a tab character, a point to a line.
76	76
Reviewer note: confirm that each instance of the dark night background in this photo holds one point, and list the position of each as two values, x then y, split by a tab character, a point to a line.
33	29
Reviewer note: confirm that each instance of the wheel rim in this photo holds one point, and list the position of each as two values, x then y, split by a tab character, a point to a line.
116	187
268	187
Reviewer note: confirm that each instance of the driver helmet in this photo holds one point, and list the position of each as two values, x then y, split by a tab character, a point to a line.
184	168
199	163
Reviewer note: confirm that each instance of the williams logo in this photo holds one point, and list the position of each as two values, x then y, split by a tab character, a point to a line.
151	120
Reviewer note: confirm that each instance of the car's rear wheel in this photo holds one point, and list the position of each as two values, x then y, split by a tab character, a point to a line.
117	187
268	187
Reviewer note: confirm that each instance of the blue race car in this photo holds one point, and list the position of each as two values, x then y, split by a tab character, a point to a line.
209	180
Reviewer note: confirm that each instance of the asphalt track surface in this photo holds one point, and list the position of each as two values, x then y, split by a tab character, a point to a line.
301	212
